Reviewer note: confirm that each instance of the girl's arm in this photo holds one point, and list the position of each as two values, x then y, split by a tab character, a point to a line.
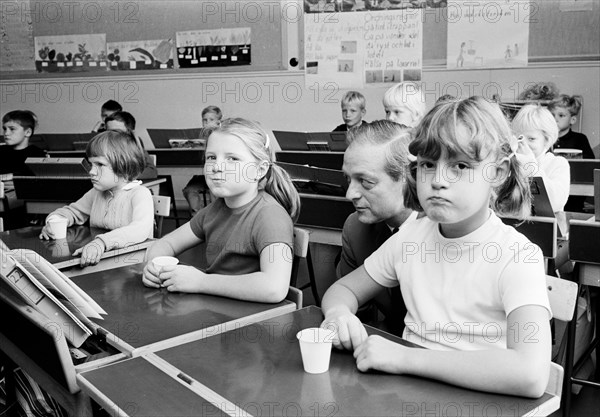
340	303
521	369
141	226
269	285
77	212
172	244
557	180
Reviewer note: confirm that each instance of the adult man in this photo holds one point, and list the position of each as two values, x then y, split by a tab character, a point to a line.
375	164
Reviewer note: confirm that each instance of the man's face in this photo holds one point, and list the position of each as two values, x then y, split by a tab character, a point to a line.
375	195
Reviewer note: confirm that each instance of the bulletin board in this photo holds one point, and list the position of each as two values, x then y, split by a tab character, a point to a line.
555	35
124	21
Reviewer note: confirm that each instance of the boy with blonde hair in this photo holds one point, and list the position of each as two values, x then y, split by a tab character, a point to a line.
537	131
353	110
404	103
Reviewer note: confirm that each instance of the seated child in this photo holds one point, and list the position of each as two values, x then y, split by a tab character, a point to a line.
247	229
565	110
404	103
472	310
117	201
125	122
538	131
211	118
353	110
18	127
106	110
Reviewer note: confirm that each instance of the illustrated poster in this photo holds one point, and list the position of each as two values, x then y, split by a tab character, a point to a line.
488	34
213	47
64	53
146	54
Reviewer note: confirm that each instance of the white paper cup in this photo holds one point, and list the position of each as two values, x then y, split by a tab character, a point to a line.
161	261
315	347
58	227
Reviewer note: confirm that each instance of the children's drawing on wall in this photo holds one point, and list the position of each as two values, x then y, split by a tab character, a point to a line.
213	47
482	44
411	75
373	77
392	76
334	6
66	53
312	67
345	65
137	55
460	60
348	47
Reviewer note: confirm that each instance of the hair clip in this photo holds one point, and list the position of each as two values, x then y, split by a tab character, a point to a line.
267	142
411	157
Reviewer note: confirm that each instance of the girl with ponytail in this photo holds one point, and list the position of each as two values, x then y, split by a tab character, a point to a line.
247	230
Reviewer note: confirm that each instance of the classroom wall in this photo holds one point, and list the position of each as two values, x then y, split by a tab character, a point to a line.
279	100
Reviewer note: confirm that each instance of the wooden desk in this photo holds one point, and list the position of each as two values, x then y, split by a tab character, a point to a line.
142	319
37	205
59	252
257	369
582	189
181	165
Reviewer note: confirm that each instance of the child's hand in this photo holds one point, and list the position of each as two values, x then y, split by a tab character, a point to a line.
350	332
99	125
380	354
150	275
181	278
527	158
91	253
46	233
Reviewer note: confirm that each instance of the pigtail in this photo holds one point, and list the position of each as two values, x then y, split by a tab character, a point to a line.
513	196
279	185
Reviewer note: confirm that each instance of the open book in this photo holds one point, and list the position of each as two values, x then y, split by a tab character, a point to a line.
49	291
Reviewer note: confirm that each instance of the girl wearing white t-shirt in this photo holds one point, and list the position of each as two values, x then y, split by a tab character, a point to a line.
474	288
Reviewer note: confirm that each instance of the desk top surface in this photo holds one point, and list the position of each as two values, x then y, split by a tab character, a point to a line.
58	252
259	369
141	316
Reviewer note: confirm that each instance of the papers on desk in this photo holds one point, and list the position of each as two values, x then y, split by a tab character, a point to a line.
49	291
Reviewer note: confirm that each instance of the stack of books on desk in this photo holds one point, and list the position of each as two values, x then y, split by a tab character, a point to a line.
29	276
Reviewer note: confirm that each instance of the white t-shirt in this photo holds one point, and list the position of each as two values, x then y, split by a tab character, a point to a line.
459	292
556	173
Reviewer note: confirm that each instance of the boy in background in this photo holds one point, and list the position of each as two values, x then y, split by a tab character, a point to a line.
404	103
353	110
123	121
565	110
18	127
106	110
211	119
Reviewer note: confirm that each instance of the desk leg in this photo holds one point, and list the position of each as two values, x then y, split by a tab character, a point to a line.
567	384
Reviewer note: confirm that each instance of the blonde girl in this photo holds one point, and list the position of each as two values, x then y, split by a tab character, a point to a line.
474	288
117	201
247	230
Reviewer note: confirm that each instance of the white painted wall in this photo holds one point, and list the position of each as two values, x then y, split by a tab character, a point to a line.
279	100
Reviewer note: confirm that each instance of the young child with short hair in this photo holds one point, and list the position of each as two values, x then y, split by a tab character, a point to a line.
353	110
565	110
108	108
247	229
538	131
404	103
117	201
474	308
125	122
18	127
211	119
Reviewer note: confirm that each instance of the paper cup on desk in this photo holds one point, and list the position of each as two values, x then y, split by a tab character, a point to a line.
161	261
58	227
315	347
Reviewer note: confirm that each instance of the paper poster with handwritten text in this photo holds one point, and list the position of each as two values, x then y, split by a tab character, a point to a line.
64	53
355	50
488	34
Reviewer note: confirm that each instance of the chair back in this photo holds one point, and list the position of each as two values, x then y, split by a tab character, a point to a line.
162	208
302	251
562	295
